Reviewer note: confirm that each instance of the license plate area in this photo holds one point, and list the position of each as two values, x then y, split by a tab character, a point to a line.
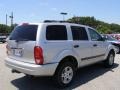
18	52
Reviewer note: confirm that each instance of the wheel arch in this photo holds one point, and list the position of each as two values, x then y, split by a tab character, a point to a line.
68	58
112	51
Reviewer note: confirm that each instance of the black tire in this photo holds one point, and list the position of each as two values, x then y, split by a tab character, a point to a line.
109	62
118	47
61	71
119	50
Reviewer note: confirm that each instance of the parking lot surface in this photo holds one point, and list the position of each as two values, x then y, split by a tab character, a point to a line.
94	77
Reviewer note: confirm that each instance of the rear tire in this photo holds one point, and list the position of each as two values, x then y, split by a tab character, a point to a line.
109	62
64	74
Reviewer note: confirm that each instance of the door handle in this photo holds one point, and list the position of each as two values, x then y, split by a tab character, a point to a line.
95	45
76	46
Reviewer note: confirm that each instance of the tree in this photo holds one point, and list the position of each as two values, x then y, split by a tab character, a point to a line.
101	26
115	27
103	29
6	29
90	21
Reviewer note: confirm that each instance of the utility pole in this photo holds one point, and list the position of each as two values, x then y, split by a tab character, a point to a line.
6	23
11	17
6	19
63	13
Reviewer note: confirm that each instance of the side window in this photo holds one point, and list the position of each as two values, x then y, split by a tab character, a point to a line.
79	33
56	32
94	35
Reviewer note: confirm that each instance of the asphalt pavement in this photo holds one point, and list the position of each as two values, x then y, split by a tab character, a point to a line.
94	77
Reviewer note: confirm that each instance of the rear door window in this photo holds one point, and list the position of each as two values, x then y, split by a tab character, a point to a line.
56	32
24	32
79	33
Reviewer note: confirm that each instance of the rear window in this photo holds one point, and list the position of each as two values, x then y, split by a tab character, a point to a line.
56	32
24	32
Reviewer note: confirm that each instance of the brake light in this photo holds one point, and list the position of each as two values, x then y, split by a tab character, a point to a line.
38	55
24	24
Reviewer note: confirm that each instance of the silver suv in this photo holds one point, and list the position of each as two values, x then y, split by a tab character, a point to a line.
56	49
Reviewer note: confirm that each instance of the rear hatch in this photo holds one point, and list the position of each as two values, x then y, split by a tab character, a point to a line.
21	43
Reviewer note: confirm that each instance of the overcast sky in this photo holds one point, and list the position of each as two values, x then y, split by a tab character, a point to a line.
39	10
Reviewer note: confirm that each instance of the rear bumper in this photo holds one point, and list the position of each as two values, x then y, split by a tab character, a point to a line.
31	69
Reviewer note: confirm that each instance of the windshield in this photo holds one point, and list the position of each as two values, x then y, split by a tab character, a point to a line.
24	32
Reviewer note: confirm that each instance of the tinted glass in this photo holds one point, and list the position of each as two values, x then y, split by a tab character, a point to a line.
24	32
94	35
79	33
56	32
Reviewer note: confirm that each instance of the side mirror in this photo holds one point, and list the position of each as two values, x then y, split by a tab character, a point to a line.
103	39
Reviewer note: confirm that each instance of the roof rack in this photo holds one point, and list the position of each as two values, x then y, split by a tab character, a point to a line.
51	21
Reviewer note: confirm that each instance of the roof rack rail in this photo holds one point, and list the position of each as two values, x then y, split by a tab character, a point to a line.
51	21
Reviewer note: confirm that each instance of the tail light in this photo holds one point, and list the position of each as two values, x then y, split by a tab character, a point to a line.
38	55
24	24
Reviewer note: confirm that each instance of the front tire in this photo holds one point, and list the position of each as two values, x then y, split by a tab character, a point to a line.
109	62
64	74
118	49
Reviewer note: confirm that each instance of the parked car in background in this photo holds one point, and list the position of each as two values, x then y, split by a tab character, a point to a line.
114	42
117	36
3	37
